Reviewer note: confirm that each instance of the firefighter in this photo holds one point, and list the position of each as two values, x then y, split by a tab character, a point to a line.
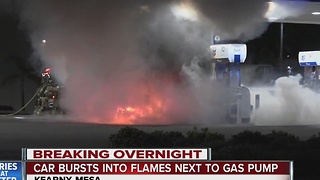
48	89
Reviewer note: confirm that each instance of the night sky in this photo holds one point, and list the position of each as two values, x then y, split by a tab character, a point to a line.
14	40
296	37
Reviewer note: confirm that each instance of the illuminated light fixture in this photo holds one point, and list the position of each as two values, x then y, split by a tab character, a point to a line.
271	14
315	13
272	18
185	11
270	3
271	6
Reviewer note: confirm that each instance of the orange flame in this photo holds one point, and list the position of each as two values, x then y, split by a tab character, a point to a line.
153	107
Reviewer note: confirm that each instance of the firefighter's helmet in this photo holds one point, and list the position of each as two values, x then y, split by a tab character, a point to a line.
46	76
47	70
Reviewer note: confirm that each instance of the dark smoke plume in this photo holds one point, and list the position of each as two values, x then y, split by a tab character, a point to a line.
102	51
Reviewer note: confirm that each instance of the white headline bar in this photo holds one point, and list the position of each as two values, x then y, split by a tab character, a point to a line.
117	154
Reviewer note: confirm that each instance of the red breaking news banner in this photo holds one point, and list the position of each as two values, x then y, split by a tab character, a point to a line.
129	167
145	164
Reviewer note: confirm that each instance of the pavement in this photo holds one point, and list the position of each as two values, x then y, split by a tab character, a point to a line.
17	132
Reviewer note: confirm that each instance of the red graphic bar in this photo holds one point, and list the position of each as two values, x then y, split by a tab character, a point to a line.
129	167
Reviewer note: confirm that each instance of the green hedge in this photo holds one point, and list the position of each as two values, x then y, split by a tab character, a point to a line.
246	145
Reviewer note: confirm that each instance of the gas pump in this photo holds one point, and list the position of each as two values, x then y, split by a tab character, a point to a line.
227	59
310	60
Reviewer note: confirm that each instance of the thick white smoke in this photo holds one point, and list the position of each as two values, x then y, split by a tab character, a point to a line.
234	20
107	53
210	95
287	103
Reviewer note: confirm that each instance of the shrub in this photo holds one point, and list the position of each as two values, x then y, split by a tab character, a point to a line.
129	138
248	137
204	139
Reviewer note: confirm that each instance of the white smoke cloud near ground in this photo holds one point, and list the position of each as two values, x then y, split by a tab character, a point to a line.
107	53
287	103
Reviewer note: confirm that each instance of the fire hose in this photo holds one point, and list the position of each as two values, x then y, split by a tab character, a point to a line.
12	114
